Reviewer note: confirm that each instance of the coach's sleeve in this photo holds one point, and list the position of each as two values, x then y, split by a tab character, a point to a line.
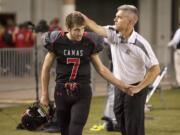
150	59
112	34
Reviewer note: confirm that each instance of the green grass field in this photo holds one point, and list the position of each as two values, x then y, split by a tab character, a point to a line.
163	119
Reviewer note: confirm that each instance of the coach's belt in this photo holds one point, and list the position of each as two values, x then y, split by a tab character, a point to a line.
135	83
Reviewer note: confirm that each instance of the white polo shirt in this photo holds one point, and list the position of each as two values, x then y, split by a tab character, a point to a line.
132	58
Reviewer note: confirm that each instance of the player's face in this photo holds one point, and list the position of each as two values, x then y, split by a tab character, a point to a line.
122	21
76	33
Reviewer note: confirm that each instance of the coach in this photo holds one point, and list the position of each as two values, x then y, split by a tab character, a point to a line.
134	62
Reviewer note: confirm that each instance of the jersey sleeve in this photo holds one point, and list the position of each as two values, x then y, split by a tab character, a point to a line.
49	38
96	40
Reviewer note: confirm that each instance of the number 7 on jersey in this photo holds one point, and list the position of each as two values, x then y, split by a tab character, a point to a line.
76	63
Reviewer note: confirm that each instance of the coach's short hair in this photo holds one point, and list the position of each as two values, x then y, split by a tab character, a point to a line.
73	19
130	8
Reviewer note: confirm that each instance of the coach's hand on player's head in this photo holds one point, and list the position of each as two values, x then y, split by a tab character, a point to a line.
44	100
84	16
81	13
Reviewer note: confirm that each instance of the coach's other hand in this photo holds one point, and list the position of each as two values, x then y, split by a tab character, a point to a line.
135	89
127	90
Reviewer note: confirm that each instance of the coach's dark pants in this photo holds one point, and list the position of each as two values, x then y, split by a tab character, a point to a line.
129	112
72	111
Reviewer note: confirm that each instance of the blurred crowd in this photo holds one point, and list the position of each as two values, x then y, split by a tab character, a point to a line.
23	37
24	34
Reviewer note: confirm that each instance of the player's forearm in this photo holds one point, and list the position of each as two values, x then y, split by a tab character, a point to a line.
106	74
45	77
45	74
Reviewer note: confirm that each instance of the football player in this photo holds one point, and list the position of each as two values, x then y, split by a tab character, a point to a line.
73	52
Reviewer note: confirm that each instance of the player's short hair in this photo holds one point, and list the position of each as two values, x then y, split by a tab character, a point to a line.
131	9
74	19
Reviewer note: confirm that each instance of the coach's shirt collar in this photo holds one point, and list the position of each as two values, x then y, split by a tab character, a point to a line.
132	38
